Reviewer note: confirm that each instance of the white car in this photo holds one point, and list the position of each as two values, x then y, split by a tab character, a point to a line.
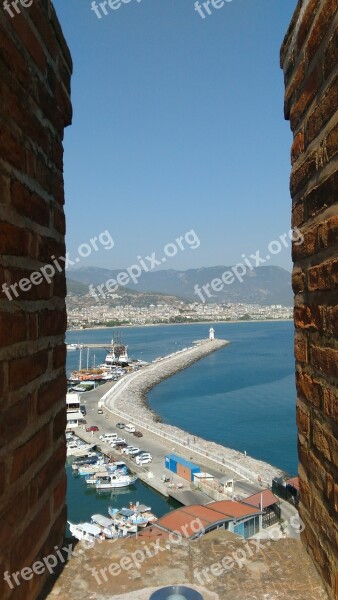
144	461
133	452
143	457
129	449
118	441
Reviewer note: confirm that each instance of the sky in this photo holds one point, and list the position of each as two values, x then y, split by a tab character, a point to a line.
178	125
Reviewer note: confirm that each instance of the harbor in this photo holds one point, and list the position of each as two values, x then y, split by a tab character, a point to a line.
228	473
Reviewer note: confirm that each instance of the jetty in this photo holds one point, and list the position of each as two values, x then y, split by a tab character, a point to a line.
126	401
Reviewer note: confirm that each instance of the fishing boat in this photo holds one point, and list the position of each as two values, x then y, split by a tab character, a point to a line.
86	531
114	481
107	527
137	514
76	449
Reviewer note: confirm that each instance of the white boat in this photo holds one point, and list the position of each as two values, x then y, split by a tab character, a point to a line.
86	531
107	526
71	346
76	449
115	481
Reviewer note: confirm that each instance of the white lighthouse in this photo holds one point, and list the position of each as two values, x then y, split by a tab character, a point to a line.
211	334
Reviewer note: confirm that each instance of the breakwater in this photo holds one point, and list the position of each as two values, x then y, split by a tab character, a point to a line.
128	400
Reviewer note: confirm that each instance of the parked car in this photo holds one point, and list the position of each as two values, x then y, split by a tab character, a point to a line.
144	461
99	411
126	450
134	452
92	428
129	428
120	425
142	457
131	450
138	434
120	445
117	442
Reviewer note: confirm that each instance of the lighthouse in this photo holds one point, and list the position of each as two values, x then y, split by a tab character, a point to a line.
211	334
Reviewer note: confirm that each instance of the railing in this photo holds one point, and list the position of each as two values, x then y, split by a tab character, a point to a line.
239	470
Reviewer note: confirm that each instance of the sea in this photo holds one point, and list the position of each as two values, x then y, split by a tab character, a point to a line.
242	396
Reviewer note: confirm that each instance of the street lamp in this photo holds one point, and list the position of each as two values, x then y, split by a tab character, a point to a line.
176	592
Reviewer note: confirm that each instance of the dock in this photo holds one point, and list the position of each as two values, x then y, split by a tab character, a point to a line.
126	401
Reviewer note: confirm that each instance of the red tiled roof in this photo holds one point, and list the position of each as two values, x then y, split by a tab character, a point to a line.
233	509
294	482
262	499
189	520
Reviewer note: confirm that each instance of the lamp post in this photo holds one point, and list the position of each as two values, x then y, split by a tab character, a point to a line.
176	592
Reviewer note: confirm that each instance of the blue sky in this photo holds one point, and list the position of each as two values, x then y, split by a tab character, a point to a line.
178	125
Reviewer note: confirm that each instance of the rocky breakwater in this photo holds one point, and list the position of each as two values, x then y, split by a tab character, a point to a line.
128	399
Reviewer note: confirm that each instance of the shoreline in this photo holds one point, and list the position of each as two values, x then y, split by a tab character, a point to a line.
102	327
128	399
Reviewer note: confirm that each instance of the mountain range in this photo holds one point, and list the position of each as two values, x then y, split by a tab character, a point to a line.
264	285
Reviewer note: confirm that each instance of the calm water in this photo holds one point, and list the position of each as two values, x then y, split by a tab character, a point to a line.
242	396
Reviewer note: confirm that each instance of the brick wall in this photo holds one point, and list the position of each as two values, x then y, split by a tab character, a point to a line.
309	61
35	70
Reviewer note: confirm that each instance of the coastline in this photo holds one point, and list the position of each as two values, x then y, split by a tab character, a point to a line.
101	327
128	400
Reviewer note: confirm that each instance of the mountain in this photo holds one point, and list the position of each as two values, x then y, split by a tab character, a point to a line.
263	285
76	289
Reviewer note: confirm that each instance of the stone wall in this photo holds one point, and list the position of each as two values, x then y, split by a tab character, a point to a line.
309	61
35	71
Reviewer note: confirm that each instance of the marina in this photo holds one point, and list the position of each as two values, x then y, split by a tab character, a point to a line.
136	448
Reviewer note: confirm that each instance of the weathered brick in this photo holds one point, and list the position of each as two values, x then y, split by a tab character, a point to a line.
301	346
330	402
29	39
59	220
321	196
51	393
52	322
331	54
306	22
323	276
29	204
309	388
59	356
27	369
29	542
298	280
14	419
59	493
307	317
13	328
59	424
2	477
321	25
325	442
12	515
325	360
43	480
14	241
303	419
297	147
29	452
322	112
308	91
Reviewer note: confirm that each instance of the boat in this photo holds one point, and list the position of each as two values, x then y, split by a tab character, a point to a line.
107	526
76	449
137	514
72	346
86	531
114	481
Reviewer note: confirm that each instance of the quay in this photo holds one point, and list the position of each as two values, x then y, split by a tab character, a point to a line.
126	401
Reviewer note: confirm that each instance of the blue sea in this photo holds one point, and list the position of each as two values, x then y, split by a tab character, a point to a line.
242	396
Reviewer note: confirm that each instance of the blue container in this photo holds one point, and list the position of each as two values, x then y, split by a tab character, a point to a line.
172	460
